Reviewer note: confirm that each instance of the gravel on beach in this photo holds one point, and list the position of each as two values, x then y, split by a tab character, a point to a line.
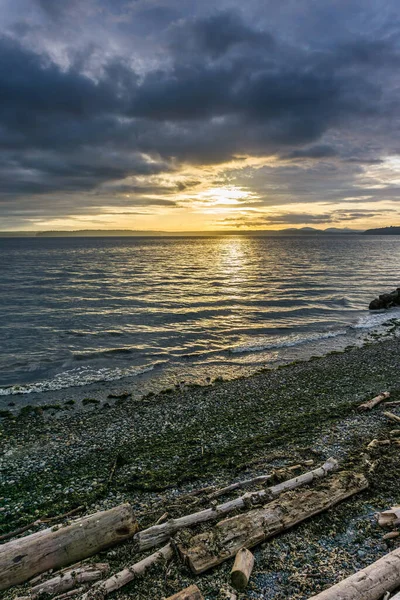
152	452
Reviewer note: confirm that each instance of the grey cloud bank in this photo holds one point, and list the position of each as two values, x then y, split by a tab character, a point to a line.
87	120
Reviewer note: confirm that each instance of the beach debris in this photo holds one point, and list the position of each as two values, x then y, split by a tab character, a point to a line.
370	404
103	588
393	403
389	518
375	443
240	484
211	492
386	596
370	583
391	535
67	580
392	417
206	550
394	433
61	545
242	568
159	534
396	596
190	593
163	518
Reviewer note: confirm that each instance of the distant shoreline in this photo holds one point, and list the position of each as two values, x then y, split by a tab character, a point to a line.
304	231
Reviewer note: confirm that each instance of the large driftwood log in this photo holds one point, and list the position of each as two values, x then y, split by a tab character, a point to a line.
206	550
374	401
103	588
57	547
370	583
190	593
158	534
242	568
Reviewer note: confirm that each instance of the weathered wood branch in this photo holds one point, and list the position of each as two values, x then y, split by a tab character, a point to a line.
242	568
370	583
239	484
67	580
369	405
103	588
59	546
206	550
159	534
190	593
392	417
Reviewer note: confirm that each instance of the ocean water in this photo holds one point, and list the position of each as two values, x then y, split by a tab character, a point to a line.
75	312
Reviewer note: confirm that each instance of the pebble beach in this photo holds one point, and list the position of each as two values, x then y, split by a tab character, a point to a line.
152	453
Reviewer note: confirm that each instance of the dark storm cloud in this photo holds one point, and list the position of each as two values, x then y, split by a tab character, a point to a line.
218	85
318	151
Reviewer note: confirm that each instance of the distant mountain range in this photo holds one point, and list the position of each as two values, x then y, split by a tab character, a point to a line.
254	232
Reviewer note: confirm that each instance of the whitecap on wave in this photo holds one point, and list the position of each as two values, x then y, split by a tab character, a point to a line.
77	377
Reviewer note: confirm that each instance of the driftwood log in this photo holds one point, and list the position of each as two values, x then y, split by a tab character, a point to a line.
67	580
370	583
369	405
392	417
52	548
389	518
242	568
159	534
190	593
103	588
391	535
206	550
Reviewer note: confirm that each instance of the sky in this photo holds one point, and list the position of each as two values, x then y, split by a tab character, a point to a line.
193	115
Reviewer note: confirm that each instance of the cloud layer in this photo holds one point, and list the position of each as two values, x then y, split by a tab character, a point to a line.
139	108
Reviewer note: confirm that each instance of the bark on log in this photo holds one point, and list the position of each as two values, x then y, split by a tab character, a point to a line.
242	568
158	534
103	588
370	583
206	550
52	548
392	417
190	593
374	401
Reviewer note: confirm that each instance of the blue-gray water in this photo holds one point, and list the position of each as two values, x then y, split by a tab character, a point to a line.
75	311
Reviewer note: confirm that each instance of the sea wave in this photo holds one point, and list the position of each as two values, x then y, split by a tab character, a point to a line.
77	377
286	343
93	354
376	319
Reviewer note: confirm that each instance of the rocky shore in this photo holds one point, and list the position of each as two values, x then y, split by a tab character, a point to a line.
151	453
